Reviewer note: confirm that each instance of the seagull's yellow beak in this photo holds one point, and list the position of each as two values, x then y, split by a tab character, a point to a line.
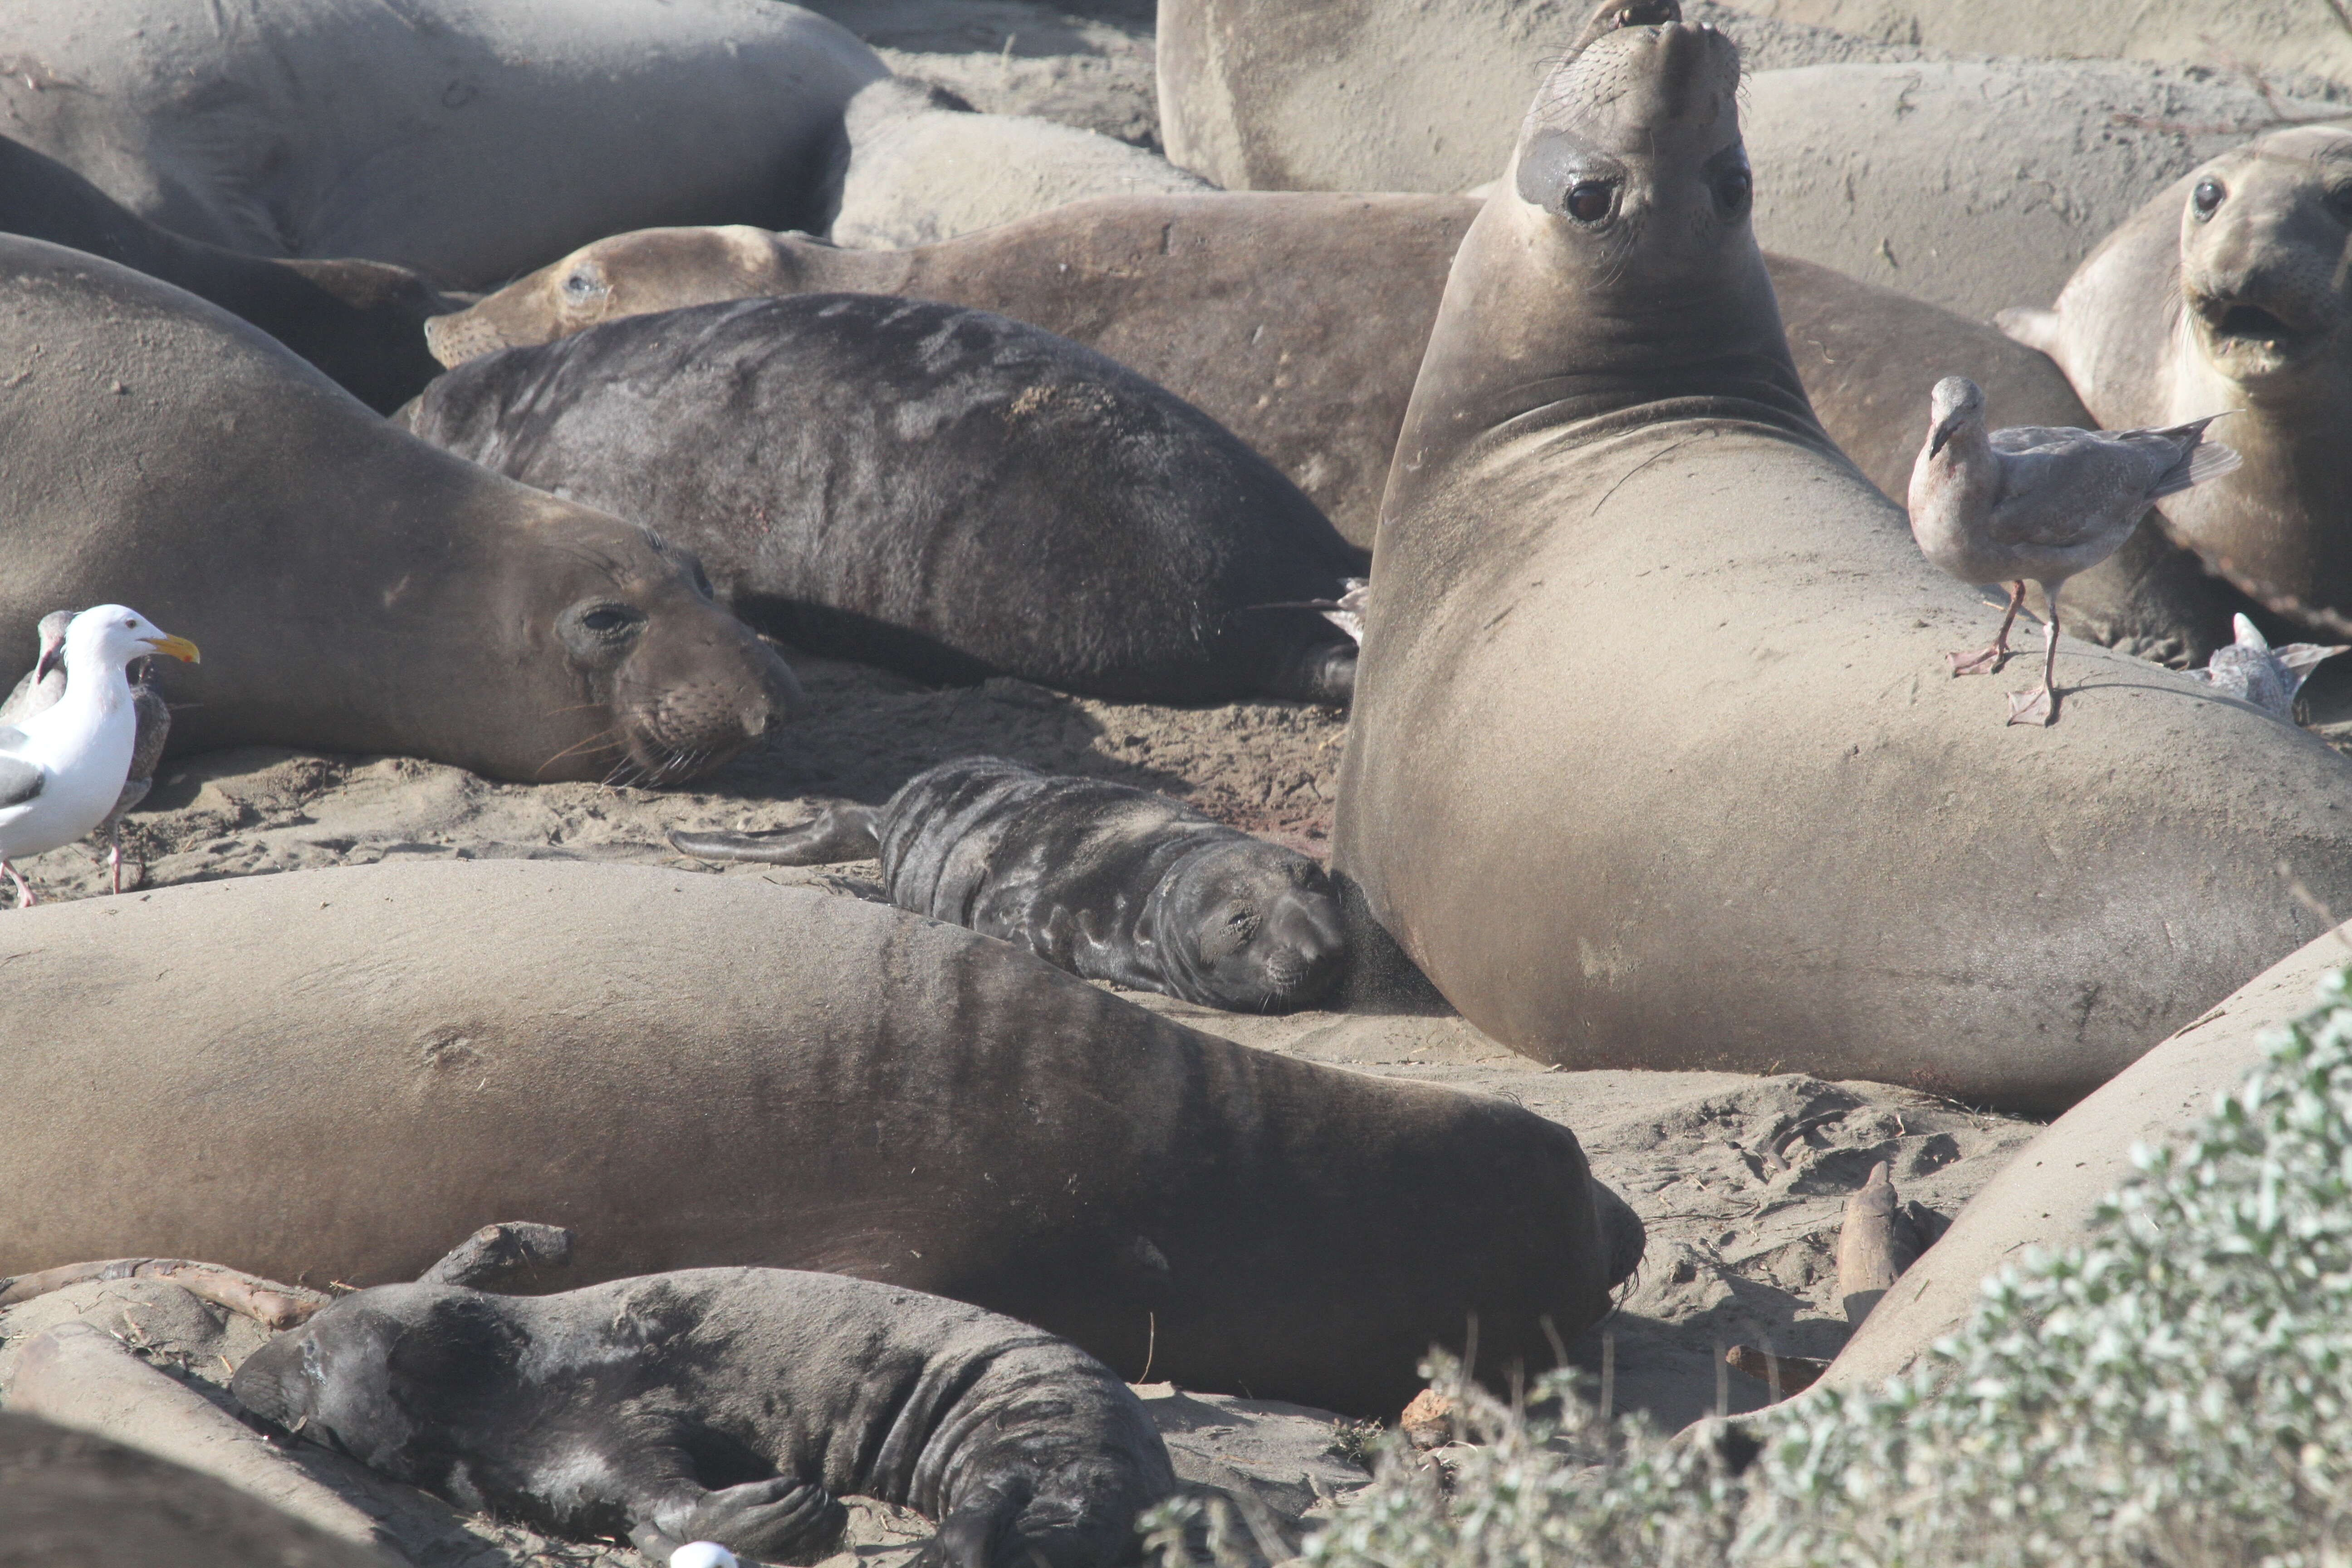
180	649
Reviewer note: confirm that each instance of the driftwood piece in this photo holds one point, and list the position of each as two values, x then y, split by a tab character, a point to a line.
496	1250
1786	1374
272	1305
1875	1245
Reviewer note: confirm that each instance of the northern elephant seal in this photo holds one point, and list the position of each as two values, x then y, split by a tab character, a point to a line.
331	1073
2229	292
2049	1194
360	322
1104	879
1296	320
1967	183
354	589
734	1406
1796	839
68	1497
949	493
922	166
470	141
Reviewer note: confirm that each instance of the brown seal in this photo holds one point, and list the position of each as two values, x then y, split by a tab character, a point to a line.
695	1070
1617	550
2229	292
355	589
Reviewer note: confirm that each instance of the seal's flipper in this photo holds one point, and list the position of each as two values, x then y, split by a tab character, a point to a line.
842	832
782	1520
2036	328
496	1250
1322	672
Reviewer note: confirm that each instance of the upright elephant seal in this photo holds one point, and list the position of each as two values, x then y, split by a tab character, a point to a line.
1103	879
694	1070
1296	320
361	321
470	141
1619	556
2233	290
948	492
733	1405
354	589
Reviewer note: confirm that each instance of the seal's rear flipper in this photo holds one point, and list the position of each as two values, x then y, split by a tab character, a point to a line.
842	832
1322	672
780	1520
496	1250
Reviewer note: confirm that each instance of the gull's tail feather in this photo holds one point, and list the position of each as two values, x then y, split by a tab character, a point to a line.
2198	461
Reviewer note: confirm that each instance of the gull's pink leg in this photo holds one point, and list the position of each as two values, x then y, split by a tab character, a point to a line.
114	861
1986	661
2040	706
24	893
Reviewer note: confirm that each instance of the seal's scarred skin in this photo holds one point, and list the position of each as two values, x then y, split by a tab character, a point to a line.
727	1405
354	589
2232	291
945	492
1104	879
1617	550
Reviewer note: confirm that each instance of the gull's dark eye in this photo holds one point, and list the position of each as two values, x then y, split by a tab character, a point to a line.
2207	199
1733	188
1590	201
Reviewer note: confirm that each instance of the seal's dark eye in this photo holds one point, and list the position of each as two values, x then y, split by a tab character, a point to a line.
606	619
2339	202
580	284
1590	201
2207	199
1732	188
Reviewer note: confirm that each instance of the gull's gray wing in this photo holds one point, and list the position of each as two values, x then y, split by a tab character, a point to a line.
2063	488
20	781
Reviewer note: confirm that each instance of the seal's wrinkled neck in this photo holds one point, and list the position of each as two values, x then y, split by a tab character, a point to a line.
1614	268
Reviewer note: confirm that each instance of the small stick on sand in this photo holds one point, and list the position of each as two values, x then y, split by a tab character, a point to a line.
272	1305
496	1250
1874	1246
1787	1374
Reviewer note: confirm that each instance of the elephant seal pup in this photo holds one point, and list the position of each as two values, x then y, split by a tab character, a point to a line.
360	322
846	1088
355	589
2231	290
1219	298
1104	879
947	493
469	141
1796	840
727	1404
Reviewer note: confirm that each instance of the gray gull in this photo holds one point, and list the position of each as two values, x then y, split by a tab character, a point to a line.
2252	671
2038	503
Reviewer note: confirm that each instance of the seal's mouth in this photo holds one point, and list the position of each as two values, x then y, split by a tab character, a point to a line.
2249	337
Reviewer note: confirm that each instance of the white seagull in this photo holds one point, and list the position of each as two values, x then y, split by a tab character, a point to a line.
62	770
2033	502
46	686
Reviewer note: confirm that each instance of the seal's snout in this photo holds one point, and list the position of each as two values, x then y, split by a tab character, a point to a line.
1304	943
1623	1237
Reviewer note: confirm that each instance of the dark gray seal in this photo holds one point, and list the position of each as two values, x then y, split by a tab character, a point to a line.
1104	879
944	491
727	1405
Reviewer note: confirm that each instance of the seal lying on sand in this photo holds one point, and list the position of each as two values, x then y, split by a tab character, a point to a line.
943	491
1796	839
2229	292
355	589
696	1071
360	322
1253	307
468	142
727	1405
1104	879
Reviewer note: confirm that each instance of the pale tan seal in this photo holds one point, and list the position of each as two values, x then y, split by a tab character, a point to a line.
1618	557
2232	291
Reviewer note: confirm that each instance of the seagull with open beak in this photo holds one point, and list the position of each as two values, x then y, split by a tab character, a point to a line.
62	770
2038	504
